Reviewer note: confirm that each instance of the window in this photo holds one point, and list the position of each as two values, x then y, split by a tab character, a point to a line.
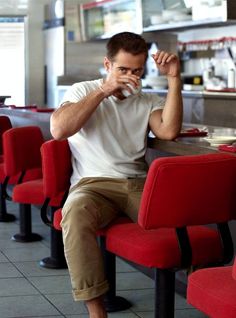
12	59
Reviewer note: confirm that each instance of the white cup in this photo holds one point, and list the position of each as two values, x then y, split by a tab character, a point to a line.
135	90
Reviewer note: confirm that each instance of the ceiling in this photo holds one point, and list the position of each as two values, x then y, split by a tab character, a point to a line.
13	4
18	6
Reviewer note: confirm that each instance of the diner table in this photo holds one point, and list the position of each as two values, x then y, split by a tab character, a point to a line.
187	145
182	146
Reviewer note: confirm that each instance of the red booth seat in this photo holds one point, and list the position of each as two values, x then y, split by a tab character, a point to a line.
161	246
213	291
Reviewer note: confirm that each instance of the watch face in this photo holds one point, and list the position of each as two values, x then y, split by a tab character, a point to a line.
59	8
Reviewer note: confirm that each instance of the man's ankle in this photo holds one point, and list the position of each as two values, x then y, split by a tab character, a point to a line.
96	308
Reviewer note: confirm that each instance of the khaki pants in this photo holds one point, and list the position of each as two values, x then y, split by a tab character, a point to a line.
92	204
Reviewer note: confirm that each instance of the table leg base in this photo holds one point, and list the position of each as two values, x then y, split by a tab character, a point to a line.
53	263
33	237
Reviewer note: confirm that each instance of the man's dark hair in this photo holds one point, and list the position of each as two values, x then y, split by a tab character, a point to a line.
127	41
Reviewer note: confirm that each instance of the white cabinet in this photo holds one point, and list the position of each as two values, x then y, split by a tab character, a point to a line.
101	20
180	14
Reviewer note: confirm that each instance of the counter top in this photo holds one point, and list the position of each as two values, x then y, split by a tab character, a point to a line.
165	91
189	145
24	117
196	94
182	146
42	116
3	97
219	94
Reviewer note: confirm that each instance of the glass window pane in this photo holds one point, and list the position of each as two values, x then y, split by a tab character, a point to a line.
12	60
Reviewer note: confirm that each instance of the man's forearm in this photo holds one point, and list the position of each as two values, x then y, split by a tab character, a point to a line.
172	115
70	117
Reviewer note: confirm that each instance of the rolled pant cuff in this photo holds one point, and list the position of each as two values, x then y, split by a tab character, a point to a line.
90	293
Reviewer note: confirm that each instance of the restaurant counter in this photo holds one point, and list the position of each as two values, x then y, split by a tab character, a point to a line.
182	146
3	98
197	93
207	107
24	117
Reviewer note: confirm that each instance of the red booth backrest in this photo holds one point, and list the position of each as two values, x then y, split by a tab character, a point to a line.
234	269
203	184
21	147
56	165
5	124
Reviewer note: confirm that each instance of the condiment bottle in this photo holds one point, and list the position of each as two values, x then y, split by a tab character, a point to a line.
231	78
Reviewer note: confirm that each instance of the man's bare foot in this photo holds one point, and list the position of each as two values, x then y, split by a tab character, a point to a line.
96	308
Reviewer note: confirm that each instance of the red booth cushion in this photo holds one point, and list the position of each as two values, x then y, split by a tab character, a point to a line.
234	269
213	291
29	192
57	220
159	248
12	180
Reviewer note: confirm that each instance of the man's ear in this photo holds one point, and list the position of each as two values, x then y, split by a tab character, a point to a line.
107	64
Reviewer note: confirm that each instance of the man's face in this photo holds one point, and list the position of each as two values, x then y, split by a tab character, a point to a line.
125	64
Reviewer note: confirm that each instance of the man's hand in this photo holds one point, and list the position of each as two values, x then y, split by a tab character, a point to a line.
167	63
114	84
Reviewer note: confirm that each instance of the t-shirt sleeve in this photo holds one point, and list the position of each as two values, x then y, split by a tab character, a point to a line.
157	102
74	94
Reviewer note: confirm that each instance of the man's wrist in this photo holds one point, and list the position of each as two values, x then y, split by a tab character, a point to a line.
174	80
103	91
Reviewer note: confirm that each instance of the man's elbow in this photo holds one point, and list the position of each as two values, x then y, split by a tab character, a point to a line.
174	133
168	134
172	136
56	131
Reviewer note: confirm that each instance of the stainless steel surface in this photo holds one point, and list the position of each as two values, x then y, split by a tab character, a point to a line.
199	94
221	95
3	97
24	117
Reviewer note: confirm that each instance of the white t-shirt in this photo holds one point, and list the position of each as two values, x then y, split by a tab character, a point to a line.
113	141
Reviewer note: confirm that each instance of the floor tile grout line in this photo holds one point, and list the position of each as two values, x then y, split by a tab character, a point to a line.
41	293
25	277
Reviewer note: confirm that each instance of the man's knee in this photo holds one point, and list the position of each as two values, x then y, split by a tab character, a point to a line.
80	210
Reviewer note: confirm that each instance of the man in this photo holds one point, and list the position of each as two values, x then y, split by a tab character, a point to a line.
107	134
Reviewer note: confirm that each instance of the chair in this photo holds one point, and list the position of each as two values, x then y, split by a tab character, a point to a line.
5	124
181	196
213	291
56	165
22	158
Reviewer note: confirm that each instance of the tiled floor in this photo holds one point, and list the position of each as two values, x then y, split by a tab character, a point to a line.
28	290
